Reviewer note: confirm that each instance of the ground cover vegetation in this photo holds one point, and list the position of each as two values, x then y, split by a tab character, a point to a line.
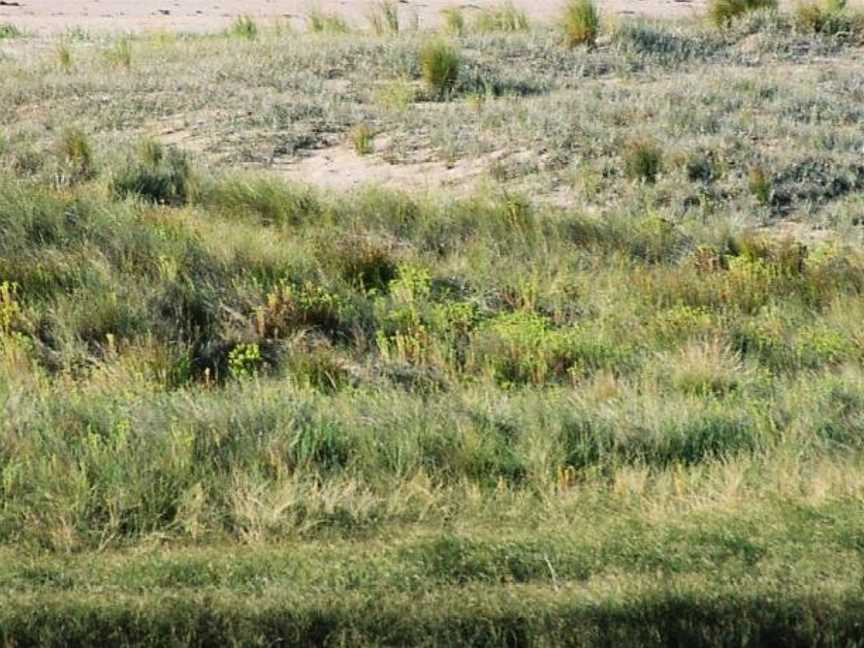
610	392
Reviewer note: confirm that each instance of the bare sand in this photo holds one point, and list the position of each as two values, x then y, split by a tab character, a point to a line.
51	16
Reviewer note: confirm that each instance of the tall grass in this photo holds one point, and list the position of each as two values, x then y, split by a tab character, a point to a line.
723	12
439	65
580	22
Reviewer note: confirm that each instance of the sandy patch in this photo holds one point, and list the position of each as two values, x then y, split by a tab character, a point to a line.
47	16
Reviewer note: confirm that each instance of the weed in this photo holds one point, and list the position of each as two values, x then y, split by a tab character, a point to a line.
580	22
440	64
244	360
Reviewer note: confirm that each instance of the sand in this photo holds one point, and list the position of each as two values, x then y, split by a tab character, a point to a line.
51	16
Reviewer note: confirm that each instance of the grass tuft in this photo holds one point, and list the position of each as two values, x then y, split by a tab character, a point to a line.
321	22
383	17
581	23
454	20
503	17
440	63
244	27
643	160
363	139
723	12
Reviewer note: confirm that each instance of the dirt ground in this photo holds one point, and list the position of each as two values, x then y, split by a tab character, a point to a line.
46	16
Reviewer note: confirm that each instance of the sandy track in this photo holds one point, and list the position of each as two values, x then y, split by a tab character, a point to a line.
46	16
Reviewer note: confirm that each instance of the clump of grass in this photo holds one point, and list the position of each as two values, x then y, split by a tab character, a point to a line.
8	30
723	12
362	139
160	175
383	17
454	20
643	160
705	369
64	57
440	63
581	23
244	27
759	184
321	22
77	156
121	54
504	17
269	200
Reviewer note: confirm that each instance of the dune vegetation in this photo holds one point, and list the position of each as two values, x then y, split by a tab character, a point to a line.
606	391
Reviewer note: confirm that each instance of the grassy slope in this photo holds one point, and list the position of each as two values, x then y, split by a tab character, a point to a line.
258	413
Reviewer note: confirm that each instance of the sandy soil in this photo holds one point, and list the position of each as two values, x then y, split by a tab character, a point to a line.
46	16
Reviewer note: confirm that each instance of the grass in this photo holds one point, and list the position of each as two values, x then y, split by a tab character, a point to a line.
503	17
362	139
243	410
454	20
326	22
440	64
8	30
244	27
581	23
723	12
383	17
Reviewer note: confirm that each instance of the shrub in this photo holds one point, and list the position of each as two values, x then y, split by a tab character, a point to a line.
643	160
440	64
383	17
454	20
581	23
244	27
362	139
504	17
723	12
158	175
